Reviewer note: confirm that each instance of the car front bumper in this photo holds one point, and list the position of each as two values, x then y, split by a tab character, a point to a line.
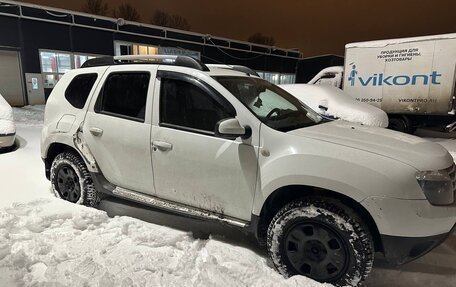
410	217
410	228
399	250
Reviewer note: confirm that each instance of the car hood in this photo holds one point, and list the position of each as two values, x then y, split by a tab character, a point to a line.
414	151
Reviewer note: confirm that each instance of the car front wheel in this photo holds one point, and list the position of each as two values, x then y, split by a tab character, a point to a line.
321	239
71	180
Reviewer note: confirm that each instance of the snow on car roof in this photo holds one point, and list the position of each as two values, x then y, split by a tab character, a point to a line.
337	104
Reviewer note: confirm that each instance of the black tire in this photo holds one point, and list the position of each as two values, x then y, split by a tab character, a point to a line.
321	239
401	124
71	180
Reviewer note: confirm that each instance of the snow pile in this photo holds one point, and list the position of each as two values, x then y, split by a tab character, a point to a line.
333	102
6	118
52	242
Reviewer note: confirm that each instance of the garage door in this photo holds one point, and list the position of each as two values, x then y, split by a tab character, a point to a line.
11	86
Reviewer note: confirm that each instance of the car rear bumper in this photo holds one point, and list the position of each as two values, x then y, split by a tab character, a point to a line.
399	250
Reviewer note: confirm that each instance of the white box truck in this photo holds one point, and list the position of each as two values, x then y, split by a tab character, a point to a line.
412	79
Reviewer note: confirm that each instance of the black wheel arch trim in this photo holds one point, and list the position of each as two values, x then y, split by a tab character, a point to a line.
52	151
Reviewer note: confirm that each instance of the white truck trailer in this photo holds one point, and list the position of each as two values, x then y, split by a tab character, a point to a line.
411	79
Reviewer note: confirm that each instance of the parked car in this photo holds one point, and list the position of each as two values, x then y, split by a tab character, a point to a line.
336	104
7	127
223	145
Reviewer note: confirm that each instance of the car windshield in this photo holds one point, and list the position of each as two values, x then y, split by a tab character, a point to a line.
272	105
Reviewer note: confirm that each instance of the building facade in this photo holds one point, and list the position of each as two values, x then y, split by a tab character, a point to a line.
39	44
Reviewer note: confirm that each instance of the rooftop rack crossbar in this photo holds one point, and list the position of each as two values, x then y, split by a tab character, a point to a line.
182	61
239	68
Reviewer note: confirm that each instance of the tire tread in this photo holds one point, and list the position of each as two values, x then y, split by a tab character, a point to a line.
340	210
89	195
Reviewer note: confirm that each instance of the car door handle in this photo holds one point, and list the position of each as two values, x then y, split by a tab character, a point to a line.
161	145
96	132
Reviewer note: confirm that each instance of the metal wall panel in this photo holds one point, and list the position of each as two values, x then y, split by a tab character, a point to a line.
11	86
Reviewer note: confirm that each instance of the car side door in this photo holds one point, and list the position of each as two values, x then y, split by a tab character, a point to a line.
118	123
191	165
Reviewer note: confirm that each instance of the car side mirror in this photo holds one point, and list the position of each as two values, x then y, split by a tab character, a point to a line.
231	129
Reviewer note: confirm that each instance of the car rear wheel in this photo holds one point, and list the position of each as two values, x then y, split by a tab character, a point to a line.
320	239
71	180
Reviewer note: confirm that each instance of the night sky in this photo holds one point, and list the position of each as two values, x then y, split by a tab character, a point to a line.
314	26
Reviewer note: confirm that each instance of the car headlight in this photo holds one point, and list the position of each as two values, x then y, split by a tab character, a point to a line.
437	186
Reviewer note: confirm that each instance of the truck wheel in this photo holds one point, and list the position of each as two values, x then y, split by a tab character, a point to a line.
403	125
71	180
320	239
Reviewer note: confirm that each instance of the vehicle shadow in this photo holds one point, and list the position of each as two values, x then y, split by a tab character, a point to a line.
200	229
19	142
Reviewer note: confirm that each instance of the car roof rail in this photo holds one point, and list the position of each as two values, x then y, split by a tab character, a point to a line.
182	61
238	68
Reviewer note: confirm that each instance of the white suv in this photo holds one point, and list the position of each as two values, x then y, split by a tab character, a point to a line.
225	145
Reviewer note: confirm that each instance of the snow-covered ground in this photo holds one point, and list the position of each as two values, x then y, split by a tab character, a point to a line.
49	242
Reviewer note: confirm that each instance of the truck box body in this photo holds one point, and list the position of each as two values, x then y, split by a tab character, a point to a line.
403	76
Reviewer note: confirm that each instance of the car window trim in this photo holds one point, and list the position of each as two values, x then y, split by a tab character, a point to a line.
188	129
121	116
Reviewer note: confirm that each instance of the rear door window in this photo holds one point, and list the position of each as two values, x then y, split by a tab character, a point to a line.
124	95
79	89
